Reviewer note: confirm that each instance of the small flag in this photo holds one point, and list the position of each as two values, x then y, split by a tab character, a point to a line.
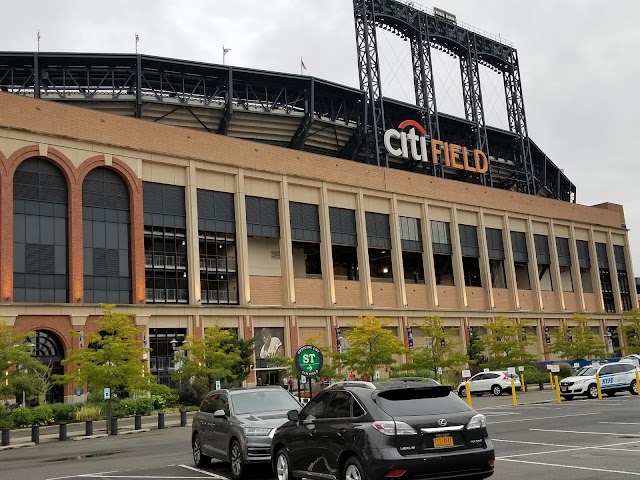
137	38
302	65
39	35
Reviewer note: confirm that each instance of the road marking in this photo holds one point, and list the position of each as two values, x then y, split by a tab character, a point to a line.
204	472
571	449
84	475
496	414
149	476
544	418
530	443
573	467
621	423
585	433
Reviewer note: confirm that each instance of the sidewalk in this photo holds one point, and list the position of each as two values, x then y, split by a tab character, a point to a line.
76	430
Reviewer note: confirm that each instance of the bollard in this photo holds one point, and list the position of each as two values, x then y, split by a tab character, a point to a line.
114	426
557	390
5	437
513	392
540	385
523	385
598	386
551	380
466	387
183	418
160	421
35	434
88	428
138	422
62	436
637	381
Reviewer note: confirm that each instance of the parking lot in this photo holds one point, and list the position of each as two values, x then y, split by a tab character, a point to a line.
579	439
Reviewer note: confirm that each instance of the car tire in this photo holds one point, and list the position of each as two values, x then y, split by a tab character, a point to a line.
199	459
238	467
568	397
496	390
353	470
592	391
283	466
633	388
462	392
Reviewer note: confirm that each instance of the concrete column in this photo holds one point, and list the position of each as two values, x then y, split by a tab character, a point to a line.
509	266
242	245
326	254
575	269
363	251
485	269
613	271
193	241
534	281
427	256
458	270
630	275
595	272
396	254
555	267
286	249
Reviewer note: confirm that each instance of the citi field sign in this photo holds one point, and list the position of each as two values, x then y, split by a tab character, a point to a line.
415	144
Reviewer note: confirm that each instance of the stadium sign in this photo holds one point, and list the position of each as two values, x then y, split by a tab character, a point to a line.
449	154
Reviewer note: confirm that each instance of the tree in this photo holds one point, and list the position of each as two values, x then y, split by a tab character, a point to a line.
217	356
506	342
245	349
113	357
20	370
577	342
474	350
631	331
440	350
371	346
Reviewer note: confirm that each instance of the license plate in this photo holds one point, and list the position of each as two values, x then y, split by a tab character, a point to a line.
444	441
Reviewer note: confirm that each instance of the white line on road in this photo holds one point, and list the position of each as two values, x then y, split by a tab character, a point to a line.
209	474
544	418
621	423
84	475
594	447
573	467
495	414
148	476
584	433
530	443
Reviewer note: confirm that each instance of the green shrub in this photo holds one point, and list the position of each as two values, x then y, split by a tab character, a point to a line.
42	415
22	417
191	393
64	412
5	417
89	412
96	397
144	406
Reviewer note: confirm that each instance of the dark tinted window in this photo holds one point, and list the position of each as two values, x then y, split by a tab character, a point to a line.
339	405
622	368
358	411
606	370
209	404
316	408
420	401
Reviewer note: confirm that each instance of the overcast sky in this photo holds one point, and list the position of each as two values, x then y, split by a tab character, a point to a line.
579	61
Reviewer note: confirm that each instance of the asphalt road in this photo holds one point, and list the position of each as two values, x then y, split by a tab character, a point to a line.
580	439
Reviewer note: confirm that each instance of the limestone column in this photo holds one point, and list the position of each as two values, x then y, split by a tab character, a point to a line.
575	269
555	267
193	240
396	253
509	267
242	244
286	248
534	280
485	268
595	271
458	269
326	254
427	256
363	251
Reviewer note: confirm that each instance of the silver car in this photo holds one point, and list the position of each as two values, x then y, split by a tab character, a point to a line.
237	426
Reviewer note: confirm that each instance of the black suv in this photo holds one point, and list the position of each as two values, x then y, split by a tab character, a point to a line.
396	430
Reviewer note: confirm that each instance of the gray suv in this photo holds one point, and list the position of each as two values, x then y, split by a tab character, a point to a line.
237	425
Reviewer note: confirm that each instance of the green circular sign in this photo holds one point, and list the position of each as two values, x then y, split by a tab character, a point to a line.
308	360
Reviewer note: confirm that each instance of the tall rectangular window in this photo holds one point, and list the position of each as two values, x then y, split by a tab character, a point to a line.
217	240
344	243
305	235
165	343
495	247
521	260
263	230
379	240
623	279
584	262
165	243
470	255
543	258
411	242
605	278
442	252
564	262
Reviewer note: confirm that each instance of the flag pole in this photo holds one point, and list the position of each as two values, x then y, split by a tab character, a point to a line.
38	41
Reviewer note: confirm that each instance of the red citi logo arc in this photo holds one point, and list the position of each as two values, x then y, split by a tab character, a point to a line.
451	155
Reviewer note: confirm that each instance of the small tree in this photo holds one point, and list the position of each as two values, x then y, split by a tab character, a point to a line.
474	350
631	331
439	351
244	348
215	357
371	346
113	357
576	343
506	342
20	370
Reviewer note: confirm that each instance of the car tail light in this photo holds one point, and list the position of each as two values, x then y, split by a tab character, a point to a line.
395	473
394	428
477	421
491	462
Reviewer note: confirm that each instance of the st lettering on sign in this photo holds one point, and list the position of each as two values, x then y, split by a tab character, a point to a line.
308	360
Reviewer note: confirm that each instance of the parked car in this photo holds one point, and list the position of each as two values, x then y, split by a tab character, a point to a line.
237	425
495	382
395	430
614	377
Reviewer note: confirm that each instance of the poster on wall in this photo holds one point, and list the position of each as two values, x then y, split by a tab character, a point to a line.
269	343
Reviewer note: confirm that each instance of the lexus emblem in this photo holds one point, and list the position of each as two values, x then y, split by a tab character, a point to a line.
442	422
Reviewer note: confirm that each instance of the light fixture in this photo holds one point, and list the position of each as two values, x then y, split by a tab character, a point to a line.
385	270
184	274
183	242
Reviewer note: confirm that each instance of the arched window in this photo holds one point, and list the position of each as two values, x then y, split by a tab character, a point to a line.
106	234
40	258
48	349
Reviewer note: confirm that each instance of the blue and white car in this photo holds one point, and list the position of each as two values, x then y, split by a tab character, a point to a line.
614	377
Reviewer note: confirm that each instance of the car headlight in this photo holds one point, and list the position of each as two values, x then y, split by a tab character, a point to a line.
581	381
257	432
477	421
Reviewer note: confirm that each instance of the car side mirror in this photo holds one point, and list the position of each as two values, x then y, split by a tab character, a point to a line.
293	415
219	414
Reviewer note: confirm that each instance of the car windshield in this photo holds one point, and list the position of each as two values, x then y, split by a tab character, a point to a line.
586	372
263	401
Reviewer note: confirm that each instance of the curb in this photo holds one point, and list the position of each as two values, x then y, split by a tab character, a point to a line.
129	432
90	437
17	445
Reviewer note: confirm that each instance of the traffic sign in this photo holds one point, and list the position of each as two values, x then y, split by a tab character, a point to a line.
486	370
466	373
308	360
521	368
511	370
107	393
218	384
555	368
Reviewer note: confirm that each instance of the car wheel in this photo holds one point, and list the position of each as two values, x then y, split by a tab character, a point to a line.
200	459
462	392
238	467
568	397
634	388
496	390
592	391
353	470
283	470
